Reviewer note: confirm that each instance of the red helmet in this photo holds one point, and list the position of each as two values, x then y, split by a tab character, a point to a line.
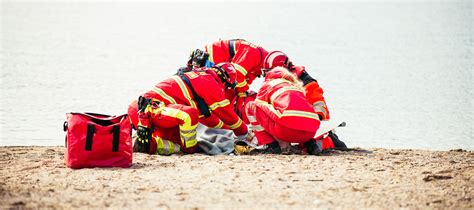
226	71
274	59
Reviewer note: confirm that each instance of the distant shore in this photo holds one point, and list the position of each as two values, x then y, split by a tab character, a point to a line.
36	177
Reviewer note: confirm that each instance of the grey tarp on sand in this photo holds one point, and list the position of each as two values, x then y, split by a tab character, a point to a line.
214	141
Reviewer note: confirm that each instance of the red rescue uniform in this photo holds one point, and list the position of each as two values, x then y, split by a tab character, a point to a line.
313	92
281	110
180	104
246	57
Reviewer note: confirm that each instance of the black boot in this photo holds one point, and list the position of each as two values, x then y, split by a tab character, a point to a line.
312	147
338	144
272	148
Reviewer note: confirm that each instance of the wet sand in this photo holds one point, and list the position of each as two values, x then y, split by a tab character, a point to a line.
36	177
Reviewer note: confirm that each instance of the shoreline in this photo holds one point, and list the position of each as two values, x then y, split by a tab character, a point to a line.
36	177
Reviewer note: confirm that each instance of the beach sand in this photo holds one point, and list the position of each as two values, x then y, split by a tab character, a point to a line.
36	177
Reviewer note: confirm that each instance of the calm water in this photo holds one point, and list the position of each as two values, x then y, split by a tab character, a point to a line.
399	74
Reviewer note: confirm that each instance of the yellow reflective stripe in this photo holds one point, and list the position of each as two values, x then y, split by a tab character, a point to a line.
209	50
240	69
236	125
251	118
275	82
295	113
282	90
260	101
219	125
179	114
257	128
288	113
187	132
187	129
159	145
188	137
151	109
242	84
242	94
184	90
164	95
165	147
190	143
218	104
171	147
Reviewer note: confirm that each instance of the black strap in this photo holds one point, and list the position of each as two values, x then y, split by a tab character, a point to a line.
116	141
200	102
231	49
90	134
306	78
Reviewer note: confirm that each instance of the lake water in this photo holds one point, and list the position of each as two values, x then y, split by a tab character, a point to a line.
399	73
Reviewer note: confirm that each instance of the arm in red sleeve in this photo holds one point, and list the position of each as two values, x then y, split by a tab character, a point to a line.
221	107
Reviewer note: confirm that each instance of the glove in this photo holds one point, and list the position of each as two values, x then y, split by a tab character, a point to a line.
142	142
143	103
144	133
198	58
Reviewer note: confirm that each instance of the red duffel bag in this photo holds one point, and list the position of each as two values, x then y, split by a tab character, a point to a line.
96	140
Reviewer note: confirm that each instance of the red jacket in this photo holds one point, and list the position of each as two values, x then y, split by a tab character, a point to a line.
246	57
314	93
208	86
285	97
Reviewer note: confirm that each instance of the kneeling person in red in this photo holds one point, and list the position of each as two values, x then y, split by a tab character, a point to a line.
166	117
281	113
313	93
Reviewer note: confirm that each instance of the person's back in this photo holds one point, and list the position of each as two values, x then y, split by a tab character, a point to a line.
282	91
245	56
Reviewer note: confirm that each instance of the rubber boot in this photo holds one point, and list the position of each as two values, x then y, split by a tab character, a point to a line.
312	147
338	144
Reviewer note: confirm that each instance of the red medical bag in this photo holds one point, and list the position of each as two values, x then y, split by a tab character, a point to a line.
96	140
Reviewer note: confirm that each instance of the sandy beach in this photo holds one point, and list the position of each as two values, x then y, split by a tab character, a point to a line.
36	177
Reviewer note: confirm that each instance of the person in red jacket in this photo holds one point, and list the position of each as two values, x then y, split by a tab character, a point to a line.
166	117
245	56
313	92
281	113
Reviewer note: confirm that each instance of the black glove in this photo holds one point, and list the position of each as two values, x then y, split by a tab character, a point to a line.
199	58
143	103
142	143
144	133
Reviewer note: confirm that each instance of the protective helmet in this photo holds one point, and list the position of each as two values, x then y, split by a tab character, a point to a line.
226	71
274	59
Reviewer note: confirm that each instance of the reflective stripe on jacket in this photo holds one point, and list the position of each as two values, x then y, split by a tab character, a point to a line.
248	59
284	96
174	91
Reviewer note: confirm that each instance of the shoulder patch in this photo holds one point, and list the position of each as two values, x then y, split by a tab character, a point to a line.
192	75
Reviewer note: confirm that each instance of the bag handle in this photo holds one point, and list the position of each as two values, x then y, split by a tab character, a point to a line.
90	134
115	143
116	137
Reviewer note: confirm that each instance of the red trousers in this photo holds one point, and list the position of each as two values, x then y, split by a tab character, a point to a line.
267	130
